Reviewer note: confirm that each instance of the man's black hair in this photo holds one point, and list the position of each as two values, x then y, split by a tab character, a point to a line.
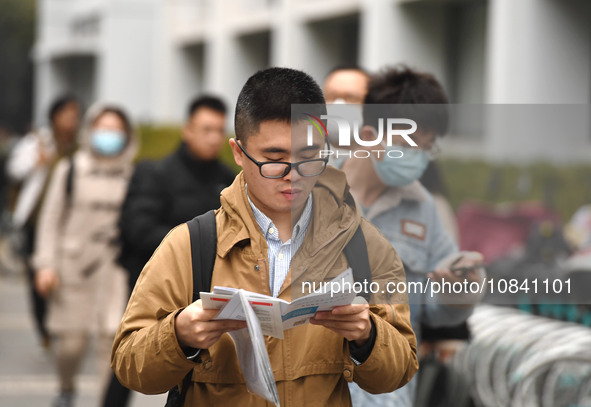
209	101
402	85
59	103
269	94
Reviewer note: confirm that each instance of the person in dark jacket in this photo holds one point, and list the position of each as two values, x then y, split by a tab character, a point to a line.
187	183
163	194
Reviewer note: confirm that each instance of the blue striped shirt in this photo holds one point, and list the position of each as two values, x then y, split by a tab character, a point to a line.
279	254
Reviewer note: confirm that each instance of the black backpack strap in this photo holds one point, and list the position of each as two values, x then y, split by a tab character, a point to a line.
70	181
356	253
202	230
203	233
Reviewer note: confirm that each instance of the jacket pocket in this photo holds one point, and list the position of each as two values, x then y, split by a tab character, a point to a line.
313	350
219	364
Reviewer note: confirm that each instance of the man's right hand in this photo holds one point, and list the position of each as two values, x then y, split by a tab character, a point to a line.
195	328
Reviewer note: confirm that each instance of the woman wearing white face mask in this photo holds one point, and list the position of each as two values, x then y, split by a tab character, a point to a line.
76	244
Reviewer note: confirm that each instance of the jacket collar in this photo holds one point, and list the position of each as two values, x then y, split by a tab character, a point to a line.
269	229
334	210
333	214
239	224
194	164
393	196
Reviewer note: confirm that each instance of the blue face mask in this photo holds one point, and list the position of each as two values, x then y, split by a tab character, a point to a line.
108	142
398	172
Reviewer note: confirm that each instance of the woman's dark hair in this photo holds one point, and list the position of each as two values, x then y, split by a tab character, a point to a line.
119	112
59	103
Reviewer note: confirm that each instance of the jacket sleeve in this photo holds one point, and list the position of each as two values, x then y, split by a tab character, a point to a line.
47	235
393	359
146	355
141	224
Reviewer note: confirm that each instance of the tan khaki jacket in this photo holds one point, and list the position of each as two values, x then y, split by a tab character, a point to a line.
312	364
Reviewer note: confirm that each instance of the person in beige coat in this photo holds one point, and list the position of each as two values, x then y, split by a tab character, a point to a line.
77	244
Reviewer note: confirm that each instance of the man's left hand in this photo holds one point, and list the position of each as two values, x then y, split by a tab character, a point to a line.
351	321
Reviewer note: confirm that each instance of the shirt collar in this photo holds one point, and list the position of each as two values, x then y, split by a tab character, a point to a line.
393	196
268	228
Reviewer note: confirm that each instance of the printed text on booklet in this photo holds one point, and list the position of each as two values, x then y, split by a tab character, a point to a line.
274	314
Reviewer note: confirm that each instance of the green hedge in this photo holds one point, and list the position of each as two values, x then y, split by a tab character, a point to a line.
157	142
564	188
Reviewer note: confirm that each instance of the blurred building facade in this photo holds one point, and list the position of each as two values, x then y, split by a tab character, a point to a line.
153	56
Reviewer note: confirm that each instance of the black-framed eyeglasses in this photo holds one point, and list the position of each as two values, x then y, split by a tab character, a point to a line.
279	169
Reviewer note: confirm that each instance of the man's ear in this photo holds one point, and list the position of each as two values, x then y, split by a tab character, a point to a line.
236	151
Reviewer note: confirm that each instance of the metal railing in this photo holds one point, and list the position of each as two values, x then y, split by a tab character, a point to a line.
519	359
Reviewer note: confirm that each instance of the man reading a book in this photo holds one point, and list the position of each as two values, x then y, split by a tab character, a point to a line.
284	220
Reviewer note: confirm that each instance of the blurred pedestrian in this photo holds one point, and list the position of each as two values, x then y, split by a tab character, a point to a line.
578	229
29	165
77	246
392	198
346	84
187	183
9	263
171	191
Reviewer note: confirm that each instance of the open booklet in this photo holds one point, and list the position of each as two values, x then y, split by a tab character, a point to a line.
276	315
252	355
270	316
